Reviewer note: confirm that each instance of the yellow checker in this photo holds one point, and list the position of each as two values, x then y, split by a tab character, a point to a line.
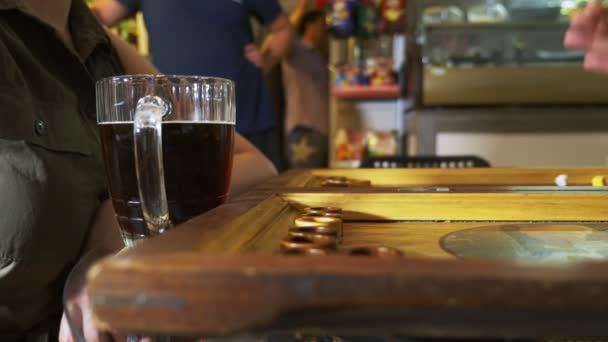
598	181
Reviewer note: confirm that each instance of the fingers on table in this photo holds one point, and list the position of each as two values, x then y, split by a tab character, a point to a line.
583	27
65	332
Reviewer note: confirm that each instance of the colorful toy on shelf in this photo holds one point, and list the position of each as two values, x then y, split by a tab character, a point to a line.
367	19
392	16
341	17
380	71
349	144
381	144
321	4
346	76
349	75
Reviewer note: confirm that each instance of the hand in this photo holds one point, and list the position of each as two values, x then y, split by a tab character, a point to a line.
254	56
79	308
589	31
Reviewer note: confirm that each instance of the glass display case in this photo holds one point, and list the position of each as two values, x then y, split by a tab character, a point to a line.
494	52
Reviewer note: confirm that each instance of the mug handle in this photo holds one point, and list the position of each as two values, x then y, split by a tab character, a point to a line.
148	149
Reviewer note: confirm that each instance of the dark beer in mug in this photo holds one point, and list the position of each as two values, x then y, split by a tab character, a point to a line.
197	163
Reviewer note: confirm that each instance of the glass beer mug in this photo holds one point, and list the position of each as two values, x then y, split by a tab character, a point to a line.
167	147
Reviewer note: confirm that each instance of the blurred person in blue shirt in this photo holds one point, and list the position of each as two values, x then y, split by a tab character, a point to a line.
215	38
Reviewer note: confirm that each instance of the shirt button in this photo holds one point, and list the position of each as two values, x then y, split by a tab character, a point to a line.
39	127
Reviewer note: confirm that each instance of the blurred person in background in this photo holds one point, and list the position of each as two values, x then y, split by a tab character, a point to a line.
214	38
589	31
306	82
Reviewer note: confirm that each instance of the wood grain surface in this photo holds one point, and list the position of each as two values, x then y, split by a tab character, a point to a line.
198	294
460	207
447	177
220	273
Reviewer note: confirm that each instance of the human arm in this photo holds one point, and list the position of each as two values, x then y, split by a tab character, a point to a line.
250	166
104	238
269	13
589	31
298	12
132	61
111	12
294	19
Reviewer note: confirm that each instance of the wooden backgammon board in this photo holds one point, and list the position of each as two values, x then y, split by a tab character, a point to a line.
462	253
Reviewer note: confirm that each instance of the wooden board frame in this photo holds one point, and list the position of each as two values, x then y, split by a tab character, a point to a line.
444	177
214	275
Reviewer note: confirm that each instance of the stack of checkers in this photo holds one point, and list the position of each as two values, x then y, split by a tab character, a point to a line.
320	231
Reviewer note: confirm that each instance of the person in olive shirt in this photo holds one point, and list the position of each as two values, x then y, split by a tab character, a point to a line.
53	207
